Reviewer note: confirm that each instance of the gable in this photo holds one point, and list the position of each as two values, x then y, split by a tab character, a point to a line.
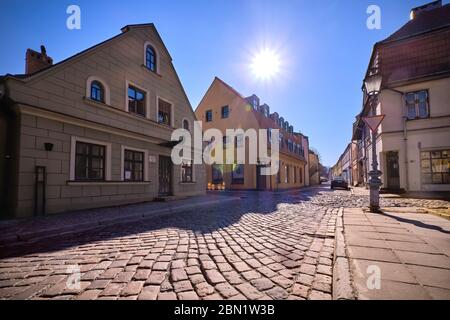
117	62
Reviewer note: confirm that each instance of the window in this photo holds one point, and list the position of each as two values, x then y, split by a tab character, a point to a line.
239	141
150	58
186	171
208	116
417	105
435	167
295	174
300	175
237	175
217	174
97	91
164	112
269	135
226	141
89	161
186	125
225	112
136	101
279	173
286	172
133	165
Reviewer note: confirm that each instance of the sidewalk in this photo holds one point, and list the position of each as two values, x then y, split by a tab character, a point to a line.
411	251
19	230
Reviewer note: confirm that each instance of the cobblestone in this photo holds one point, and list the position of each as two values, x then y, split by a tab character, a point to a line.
265	246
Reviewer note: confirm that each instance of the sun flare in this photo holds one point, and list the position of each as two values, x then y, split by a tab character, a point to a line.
265	64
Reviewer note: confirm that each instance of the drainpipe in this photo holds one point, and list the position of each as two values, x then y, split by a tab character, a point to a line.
405	146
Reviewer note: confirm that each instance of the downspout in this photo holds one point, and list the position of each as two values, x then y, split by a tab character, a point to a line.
405	146
405	136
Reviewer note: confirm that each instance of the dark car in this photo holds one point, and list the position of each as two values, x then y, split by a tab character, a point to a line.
339	182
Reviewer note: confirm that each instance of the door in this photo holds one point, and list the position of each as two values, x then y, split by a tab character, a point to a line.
260	179
393	172
165	176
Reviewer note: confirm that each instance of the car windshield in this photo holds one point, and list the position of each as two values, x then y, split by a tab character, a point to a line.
338	178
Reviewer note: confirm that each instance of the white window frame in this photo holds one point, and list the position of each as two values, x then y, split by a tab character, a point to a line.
108	148
105	88
172	110
149	43
129	83
122	162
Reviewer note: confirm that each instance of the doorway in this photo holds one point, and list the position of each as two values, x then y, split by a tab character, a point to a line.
165	176
261	180
393	171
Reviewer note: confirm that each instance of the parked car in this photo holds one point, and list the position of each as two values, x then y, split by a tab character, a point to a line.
323	180
339	182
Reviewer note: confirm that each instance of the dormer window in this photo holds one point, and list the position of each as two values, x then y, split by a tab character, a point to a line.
97	91
150	58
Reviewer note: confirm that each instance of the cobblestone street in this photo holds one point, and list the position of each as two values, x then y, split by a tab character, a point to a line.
266	246
263	246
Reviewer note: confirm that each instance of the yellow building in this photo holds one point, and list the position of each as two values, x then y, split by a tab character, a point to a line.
224	108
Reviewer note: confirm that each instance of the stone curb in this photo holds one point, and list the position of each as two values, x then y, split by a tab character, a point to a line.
342	289
19	238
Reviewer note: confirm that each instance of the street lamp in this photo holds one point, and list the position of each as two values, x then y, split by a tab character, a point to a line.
373	86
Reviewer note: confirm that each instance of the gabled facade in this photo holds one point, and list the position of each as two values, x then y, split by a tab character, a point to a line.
413	142
224	108
94	130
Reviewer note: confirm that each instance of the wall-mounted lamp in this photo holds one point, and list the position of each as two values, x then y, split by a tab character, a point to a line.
48	146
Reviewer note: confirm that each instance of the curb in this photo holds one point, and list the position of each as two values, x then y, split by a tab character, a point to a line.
20	238
342	289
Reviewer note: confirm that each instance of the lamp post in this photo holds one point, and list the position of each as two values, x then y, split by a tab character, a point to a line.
373	86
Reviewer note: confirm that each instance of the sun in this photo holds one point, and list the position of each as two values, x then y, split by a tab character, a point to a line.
265	64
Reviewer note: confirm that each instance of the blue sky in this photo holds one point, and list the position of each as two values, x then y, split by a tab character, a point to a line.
324	48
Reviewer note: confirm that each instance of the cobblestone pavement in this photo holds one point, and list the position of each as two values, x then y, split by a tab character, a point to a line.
359	198
265	246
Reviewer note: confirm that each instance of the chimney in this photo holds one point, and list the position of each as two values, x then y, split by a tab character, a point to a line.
427	7
36	61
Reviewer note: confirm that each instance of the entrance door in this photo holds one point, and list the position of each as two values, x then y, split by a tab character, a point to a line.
165	176
260	179
393	172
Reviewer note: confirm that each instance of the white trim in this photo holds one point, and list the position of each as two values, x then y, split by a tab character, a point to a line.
105	87
34	111
73	141
106	183
147	97
122	162
172	110
148	43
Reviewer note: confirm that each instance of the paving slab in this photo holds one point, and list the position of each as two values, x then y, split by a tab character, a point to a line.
408	254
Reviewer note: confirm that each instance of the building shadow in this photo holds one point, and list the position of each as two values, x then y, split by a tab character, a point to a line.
416	223
204	220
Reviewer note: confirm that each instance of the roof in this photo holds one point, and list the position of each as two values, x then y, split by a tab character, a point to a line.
124	30
424	22
419	49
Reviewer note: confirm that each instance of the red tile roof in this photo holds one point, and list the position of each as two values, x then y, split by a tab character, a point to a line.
423	22
419	49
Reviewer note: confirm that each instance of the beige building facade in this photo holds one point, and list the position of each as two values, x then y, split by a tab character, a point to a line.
224	108
94	130
413	141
